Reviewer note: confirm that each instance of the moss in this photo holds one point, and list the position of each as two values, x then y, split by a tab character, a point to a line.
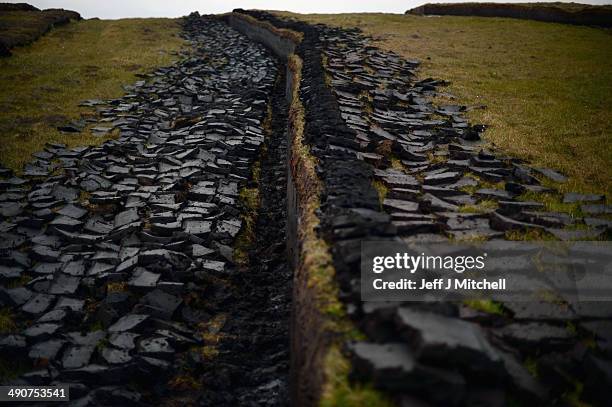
436	159
573	397
84	197
571	328
7	321
96	326
208	352
484	206
116	287
469	189
249	197
104	343
19	282
327	76
210	331
532	366
367	100
340	392
488	306
382	190
250	200
385	148
396	164
184	382
12	369
529	234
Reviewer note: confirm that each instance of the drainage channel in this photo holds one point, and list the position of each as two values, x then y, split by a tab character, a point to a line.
252	367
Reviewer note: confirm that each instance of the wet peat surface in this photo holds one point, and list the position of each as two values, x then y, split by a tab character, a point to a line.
117	269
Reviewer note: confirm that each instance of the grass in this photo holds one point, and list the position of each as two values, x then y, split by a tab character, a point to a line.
184	383
42	84
528	235
21	27
246	238
547	87
488	306
12	369
210	331
382	190
7	321
568	7
573	397
484	206
250	199
564	6
340	392
553	203
116	287
532	366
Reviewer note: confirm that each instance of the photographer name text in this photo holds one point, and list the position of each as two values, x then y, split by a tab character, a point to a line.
440	284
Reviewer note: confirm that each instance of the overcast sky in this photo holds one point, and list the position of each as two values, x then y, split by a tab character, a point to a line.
176	8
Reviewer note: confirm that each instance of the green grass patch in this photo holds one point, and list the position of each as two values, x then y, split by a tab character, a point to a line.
553	203
396	164
436	159
488	306
250	199
484	206
246	238
340	392
548	99
42	84
482	183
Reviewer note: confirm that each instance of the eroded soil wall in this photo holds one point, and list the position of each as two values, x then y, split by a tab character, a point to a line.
310	337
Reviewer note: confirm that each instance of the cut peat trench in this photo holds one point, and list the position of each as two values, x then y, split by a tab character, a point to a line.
252	367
